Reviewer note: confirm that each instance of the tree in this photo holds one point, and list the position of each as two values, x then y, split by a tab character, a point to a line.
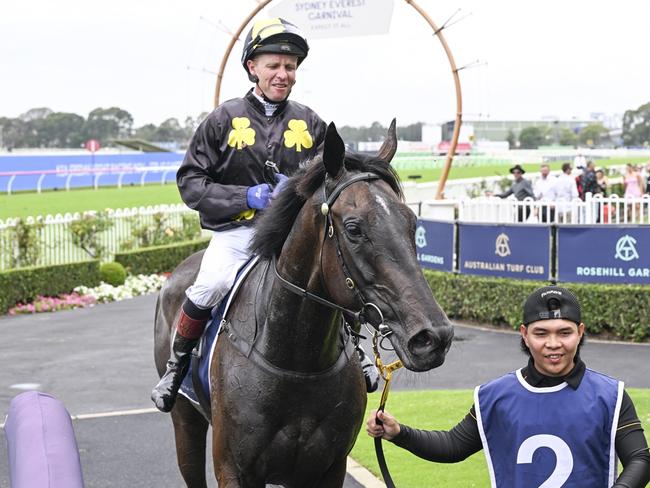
512	139
568	137
60	129
35	114
105	124
12	133
593	135
636	126
411	132
531	137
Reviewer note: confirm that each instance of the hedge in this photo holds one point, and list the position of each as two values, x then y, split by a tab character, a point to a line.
621	310
25	284
158	259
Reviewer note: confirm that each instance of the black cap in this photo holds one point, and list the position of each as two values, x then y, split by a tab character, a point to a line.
552	302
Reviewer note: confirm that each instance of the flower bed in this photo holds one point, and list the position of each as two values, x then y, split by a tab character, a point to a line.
84	296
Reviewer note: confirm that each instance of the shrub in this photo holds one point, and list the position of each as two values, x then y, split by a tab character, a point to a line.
620	310
25	284
112	273
85	232
158	259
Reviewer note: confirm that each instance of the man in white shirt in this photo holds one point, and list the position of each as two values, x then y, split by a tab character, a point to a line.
580	161
544	189
565	191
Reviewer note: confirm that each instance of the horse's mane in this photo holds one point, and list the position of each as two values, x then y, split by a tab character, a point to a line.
274	225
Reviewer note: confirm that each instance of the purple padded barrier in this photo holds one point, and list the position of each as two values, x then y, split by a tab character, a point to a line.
41	443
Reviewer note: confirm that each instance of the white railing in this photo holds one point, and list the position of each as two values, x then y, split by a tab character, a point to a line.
593	210
55	245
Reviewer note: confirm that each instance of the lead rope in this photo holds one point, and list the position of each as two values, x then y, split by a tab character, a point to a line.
386	372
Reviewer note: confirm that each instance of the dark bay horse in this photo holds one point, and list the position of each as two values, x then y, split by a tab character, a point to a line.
288	396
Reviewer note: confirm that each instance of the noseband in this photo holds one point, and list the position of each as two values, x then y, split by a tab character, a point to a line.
369	314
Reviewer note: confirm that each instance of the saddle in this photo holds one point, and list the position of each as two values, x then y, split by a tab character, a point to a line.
196	384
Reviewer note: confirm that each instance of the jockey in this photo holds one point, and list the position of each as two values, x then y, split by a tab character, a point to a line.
236	157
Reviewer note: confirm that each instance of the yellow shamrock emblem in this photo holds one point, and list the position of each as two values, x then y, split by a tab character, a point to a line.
241	133
297	135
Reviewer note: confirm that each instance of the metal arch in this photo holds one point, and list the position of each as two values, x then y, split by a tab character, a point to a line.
459	99
452	63
235	37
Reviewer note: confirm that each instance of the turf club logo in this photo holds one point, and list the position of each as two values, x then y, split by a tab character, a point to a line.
626	248
420	237
502	246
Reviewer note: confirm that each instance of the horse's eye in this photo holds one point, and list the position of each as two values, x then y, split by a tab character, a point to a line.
353	229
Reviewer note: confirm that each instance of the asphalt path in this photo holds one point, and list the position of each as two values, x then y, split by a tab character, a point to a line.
99	360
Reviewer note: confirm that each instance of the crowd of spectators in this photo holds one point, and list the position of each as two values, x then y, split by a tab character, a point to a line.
566	187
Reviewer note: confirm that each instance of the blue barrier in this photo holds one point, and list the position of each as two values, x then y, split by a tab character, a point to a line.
29	173
509	251
41	443
434	242
604	254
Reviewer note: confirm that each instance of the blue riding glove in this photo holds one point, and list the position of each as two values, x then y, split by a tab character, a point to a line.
281	182
258	196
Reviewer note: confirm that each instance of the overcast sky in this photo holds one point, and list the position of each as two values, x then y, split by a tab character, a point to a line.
159	58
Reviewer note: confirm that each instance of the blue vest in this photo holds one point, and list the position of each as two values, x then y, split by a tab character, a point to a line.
549	437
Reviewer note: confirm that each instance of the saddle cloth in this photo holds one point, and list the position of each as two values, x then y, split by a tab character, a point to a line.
209	339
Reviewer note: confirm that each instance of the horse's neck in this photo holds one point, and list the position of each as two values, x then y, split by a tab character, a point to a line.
300	334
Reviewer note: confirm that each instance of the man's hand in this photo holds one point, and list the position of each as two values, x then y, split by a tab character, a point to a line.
258	196
388	430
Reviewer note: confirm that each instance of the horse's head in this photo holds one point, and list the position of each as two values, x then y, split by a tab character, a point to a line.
346	234
369	256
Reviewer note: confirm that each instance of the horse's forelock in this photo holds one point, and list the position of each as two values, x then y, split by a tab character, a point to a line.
274	225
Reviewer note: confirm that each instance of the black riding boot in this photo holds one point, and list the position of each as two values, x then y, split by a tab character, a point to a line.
164	393
370	372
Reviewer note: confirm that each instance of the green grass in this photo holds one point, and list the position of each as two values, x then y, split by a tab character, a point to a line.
457	172
441	410
52	202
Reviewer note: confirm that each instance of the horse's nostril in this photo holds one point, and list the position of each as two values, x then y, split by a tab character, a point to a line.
422	343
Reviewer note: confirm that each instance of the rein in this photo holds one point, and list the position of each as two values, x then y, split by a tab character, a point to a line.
369	312
386	372
362	316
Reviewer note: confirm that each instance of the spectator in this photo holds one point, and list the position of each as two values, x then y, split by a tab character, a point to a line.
647	178
602	182
565	191
588	180
580	161
633	182
544	189
634	186
586	418
521	189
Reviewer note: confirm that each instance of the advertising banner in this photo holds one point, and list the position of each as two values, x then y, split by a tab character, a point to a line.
434	243
336	18
31	172
604	254
508	251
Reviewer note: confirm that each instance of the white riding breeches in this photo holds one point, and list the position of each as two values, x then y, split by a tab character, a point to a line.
226	253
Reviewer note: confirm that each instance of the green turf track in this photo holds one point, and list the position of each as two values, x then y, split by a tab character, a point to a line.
53	202
441	410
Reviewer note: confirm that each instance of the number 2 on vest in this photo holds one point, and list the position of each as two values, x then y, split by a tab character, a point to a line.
564	464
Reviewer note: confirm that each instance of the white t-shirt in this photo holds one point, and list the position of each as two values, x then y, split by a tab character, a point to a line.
544	188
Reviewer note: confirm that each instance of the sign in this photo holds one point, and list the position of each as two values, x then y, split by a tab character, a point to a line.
434	244
508	251
319	19
604	254
92	145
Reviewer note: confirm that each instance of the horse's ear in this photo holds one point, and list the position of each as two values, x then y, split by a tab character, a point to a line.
333	151
389	147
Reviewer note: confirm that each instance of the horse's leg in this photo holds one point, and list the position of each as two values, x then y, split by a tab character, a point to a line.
190	429
333	477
